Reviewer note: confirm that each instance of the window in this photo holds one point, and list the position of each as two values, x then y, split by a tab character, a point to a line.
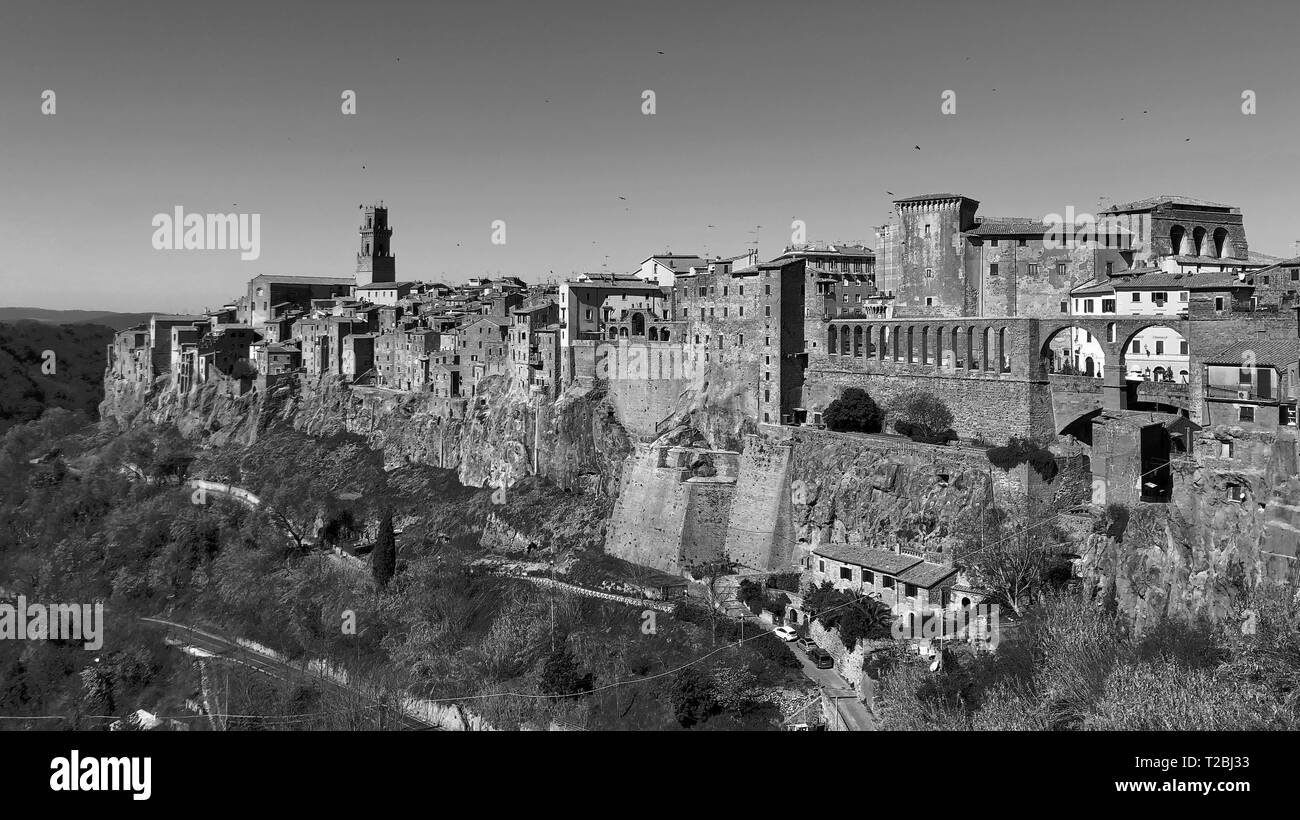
1033	268
1135	297
929	301
701	313
1245	412
1295	274
821	566
929	273
724	290
1225	450
742	310
742	290
1065	306
1137	347
1021	243
993	269
1182	348
909	590
1182	296
767	340
724	313
1265	278
1087	305
1218	303
767	377
1236	493
704	291
767	290
993	243
846	573
927	229
1110	266
1160	347
887	582
868	577
1107	305
1060	268
767	310
742	339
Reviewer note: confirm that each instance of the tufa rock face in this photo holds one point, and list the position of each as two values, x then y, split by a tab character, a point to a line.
575	443
1203	552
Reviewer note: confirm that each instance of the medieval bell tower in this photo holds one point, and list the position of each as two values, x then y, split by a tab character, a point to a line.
375	260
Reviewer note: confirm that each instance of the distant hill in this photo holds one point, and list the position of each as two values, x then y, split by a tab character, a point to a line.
80	355
117	321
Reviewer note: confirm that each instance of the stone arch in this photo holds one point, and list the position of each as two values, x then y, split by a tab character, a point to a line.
832	340
857	341
1177	237
970	348
1067	349
987	348
622	332
638	324
1134	362
911	336
953	347
1222	245
925	345
653	334
845	335
1198	240
884	341
1004	361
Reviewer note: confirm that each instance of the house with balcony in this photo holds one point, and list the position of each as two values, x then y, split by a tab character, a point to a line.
1251	383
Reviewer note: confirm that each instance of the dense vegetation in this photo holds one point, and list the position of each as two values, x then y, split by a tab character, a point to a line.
92	516
854	411
26	386
1074	664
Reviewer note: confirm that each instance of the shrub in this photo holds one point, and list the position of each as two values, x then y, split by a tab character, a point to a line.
924	435
854	411
788	581
923	409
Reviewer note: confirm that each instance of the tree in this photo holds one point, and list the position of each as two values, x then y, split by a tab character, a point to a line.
854	411
560	674
1014	564
693	698
383	561
923	416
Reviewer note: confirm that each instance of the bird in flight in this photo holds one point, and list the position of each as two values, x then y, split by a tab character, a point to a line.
890	193
623	197
917	147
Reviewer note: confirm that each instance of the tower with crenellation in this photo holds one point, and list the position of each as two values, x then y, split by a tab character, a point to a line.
375	260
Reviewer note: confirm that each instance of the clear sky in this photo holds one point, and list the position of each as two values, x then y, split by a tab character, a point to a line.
530	112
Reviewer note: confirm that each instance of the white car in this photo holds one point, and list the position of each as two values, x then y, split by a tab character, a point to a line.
785	633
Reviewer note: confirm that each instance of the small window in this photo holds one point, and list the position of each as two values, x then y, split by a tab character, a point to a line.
1021	242
1245	413
1065	306
1182	296
1182	348
929	273
929	301
993	269
887	581
1060	268
821	566
1110	267
1033	268
868	577
1225	449
1218	303
993	243
767	310
1136	297
927	230
1107	305
909	590
846	573
1236	493
1160	347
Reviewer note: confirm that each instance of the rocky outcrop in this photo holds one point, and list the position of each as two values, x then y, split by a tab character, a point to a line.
1233	522
496	439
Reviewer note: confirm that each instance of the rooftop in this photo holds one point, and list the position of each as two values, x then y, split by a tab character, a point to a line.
881	560
1267	351
1151	203
1009	226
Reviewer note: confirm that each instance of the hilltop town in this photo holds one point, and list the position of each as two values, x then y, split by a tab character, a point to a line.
1153	364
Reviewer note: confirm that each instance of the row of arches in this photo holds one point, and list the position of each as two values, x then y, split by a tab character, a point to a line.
952	348
1200	242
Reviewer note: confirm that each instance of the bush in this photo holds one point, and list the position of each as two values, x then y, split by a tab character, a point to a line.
788	581
923	409
854	411
924	435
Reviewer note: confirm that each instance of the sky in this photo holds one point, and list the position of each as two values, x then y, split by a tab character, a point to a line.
531	113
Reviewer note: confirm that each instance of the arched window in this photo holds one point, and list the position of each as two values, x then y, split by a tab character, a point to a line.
1004	362
638	324
910	358
845	335
1222	248
1089	368
1198	240
927	356
857	342
654	334
987	348
1177	235
663	335
970	348
832	341
884	342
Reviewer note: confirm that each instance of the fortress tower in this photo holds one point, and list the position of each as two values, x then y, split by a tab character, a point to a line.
375	260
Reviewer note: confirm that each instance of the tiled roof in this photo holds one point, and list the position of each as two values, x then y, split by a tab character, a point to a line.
1270	352
879	560
926	574
1163	199
1008	226
309	280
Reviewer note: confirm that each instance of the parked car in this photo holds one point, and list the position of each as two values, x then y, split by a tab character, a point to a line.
785	633
822	659
807	645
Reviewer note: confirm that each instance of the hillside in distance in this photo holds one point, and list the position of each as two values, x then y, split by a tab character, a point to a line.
117	321
77	382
